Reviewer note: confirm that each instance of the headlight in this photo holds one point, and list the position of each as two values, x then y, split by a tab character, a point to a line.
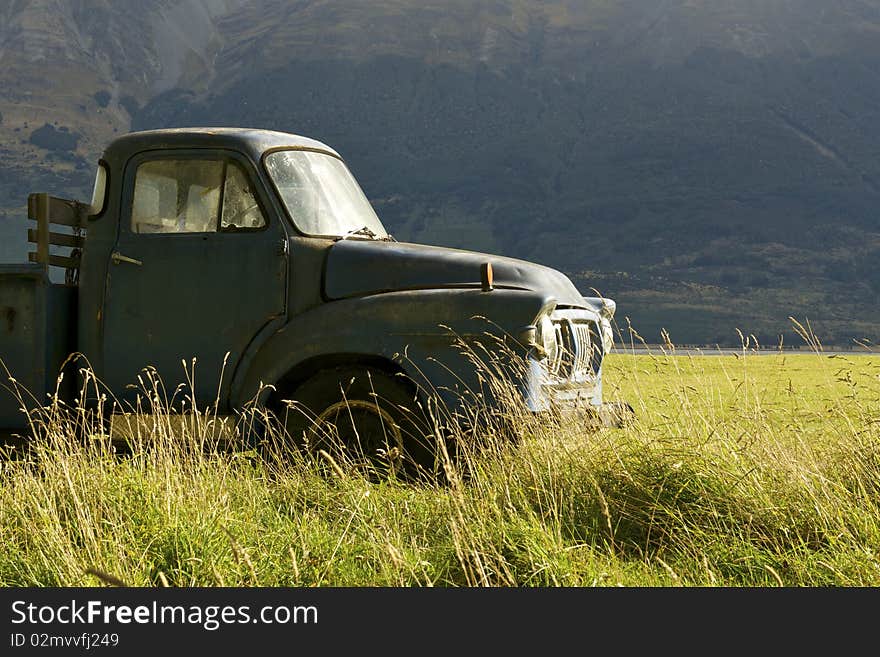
607	335
546	338
609	307
606	309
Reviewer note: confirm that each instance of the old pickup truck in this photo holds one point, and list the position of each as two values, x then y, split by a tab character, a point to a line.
255	255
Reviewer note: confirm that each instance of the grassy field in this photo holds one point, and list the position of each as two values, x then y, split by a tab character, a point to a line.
746	470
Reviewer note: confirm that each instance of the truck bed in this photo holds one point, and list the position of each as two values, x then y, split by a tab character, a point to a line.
37	332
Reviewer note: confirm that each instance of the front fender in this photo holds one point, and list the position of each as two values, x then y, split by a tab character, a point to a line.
419	329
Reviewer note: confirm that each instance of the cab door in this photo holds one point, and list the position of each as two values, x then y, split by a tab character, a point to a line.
199	268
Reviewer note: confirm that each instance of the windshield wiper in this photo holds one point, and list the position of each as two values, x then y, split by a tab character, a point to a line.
364	230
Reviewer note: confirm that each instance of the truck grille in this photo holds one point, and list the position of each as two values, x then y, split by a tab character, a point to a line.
580	349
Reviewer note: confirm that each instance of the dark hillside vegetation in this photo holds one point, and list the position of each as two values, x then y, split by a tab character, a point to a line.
709	165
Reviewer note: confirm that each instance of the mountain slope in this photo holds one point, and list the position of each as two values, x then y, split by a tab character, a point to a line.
710	165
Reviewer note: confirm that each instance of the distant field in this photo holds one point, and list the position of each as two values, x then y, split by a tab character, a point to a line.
740	471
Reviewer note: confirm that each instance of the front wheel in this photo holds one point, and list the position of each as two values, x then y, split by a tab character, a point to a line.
362	418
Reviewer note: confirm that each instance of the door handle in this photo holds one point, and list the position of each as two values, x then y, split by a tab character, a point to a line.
117	257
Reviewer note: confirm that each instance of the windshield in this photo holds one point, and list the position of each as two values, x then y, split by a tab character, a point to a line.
321	195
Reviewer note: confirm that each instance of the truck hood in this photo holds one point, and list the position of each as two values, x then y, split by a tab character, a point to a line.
364	267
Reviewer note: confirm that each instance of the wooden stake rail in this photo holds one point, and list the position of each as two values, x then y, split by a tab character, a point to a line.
47	210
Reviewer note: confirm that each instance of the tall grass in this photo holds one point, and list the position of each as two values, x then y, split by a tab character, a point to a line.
741	470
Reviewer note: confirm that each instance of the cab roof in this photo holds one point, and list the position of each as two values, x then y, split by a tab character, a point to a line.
249	141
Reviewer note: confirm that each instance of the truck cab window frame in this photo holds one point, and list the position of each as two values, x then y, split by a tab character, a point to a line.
181	194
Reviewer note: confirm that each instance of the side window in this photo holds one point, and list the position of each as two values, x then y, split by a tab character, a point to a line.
240	207
177	196
185	196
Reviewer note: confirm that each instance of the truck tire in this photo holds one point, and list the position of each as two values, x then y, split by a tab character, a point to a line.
362	417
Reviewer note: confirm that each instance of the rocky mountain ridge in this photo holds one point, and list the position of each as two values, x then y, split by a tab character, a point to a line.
712	165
